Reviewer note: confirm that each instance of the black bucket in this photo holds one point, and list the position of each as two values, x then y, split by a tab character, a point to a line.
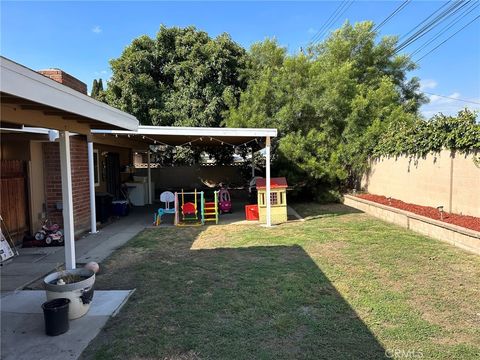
55	313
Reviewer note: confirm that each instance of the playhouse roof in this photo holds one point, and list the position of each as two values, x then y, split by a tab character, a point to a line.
275	183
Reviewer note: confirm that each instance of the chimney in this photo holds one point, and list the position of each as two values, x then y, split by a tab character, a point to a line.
66	79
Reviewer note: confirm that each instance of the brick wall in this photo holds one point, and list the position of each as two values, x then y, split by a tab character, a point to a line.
66	79
80	185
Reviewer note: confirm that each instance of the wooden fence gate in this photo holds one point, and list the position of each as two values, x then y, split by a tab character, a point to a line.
14	196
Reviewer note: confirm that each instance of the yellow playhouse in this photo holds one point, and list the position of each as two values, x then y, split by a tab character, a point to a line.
278	199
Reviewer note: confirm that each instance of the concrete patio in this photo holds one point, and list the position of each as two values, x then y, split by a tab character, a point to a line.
34	263
23	329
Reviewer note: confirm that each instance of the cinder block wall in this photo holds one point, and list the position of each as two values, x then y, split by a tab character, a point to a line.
446	179
80	185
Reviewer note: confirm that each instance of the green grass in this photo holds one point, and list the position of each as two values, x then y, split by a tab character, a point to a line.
341	285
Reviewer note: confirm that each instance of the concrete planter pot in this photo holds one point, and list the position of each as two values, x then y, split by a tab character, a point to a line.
79	292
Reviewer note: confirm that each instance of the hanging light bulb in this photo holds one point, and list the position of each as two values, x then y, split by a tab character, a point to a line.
116	135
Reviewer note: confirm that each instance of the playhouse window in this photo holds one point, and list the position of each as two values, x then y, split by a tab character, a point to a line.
273	198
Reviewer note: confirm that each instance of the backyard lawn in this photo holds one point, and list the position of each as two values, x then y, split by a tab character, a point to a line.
341	285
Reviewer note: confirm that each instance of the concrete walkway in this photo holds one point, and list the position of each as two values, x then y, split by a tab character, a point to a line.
34	263
23	329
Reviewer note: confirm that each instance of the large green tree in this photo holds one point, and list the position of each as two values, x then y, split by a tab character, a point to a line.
330	104
179	78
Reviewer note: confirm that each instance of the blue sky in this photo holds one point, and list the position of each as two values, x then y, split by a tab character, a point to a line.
81	37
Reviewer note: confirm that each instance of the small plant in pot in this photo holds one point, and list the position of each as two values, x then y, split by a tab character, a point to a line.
75	285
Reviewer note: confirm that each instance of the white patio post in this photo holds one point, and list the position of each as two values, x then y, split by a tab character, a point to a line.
67	200
267	170
149	178
91	178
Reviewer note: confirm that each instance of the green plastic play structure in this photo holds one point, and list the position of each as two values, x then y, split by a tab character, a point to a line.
187	212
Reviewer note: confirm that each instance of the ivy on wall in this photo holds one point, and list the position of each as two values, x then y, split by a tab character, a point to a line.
460	133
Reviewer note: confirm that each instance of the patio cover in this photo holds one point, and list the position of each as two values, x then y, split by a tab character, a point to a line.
200	136
29	98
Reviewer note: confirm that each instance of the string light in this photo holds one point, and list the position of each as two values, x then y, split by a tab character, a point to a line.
190	142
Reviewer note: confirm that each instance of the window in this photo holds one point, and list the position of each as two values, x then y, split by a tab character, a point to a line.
96	168
262	199
273	198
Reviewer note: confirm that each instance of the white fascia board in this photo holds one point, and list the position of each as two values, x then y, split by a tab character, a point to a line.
194	131
28	130
25	83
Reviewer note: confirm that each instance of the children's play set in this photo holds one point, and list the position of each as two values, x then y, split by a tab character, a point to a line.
192	208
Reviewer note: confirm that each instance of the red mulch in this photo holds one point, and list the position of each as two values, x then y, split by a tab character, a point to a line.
469	222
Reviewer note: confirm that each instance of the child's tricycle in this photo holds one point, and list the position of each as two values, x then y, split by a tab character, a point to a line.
49	233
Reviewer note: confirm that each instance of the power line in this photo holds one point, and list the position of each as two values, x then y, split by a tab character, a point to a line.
447	27
320	31
452	9
334	18
443	42
395	12
425	20
452	98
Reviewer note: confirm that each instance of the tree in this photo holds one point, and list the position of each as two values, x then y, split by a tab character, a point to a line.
97	90
181	77
100	85
330	105
94	91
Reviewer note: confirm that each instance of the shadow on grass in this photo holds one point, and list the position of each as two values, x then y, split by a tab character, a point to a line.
228	303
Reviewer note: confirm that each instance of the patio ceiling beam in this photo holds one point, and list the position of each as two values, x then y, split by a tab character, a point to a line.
199	131
15	115
33	107
120	142
55	112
